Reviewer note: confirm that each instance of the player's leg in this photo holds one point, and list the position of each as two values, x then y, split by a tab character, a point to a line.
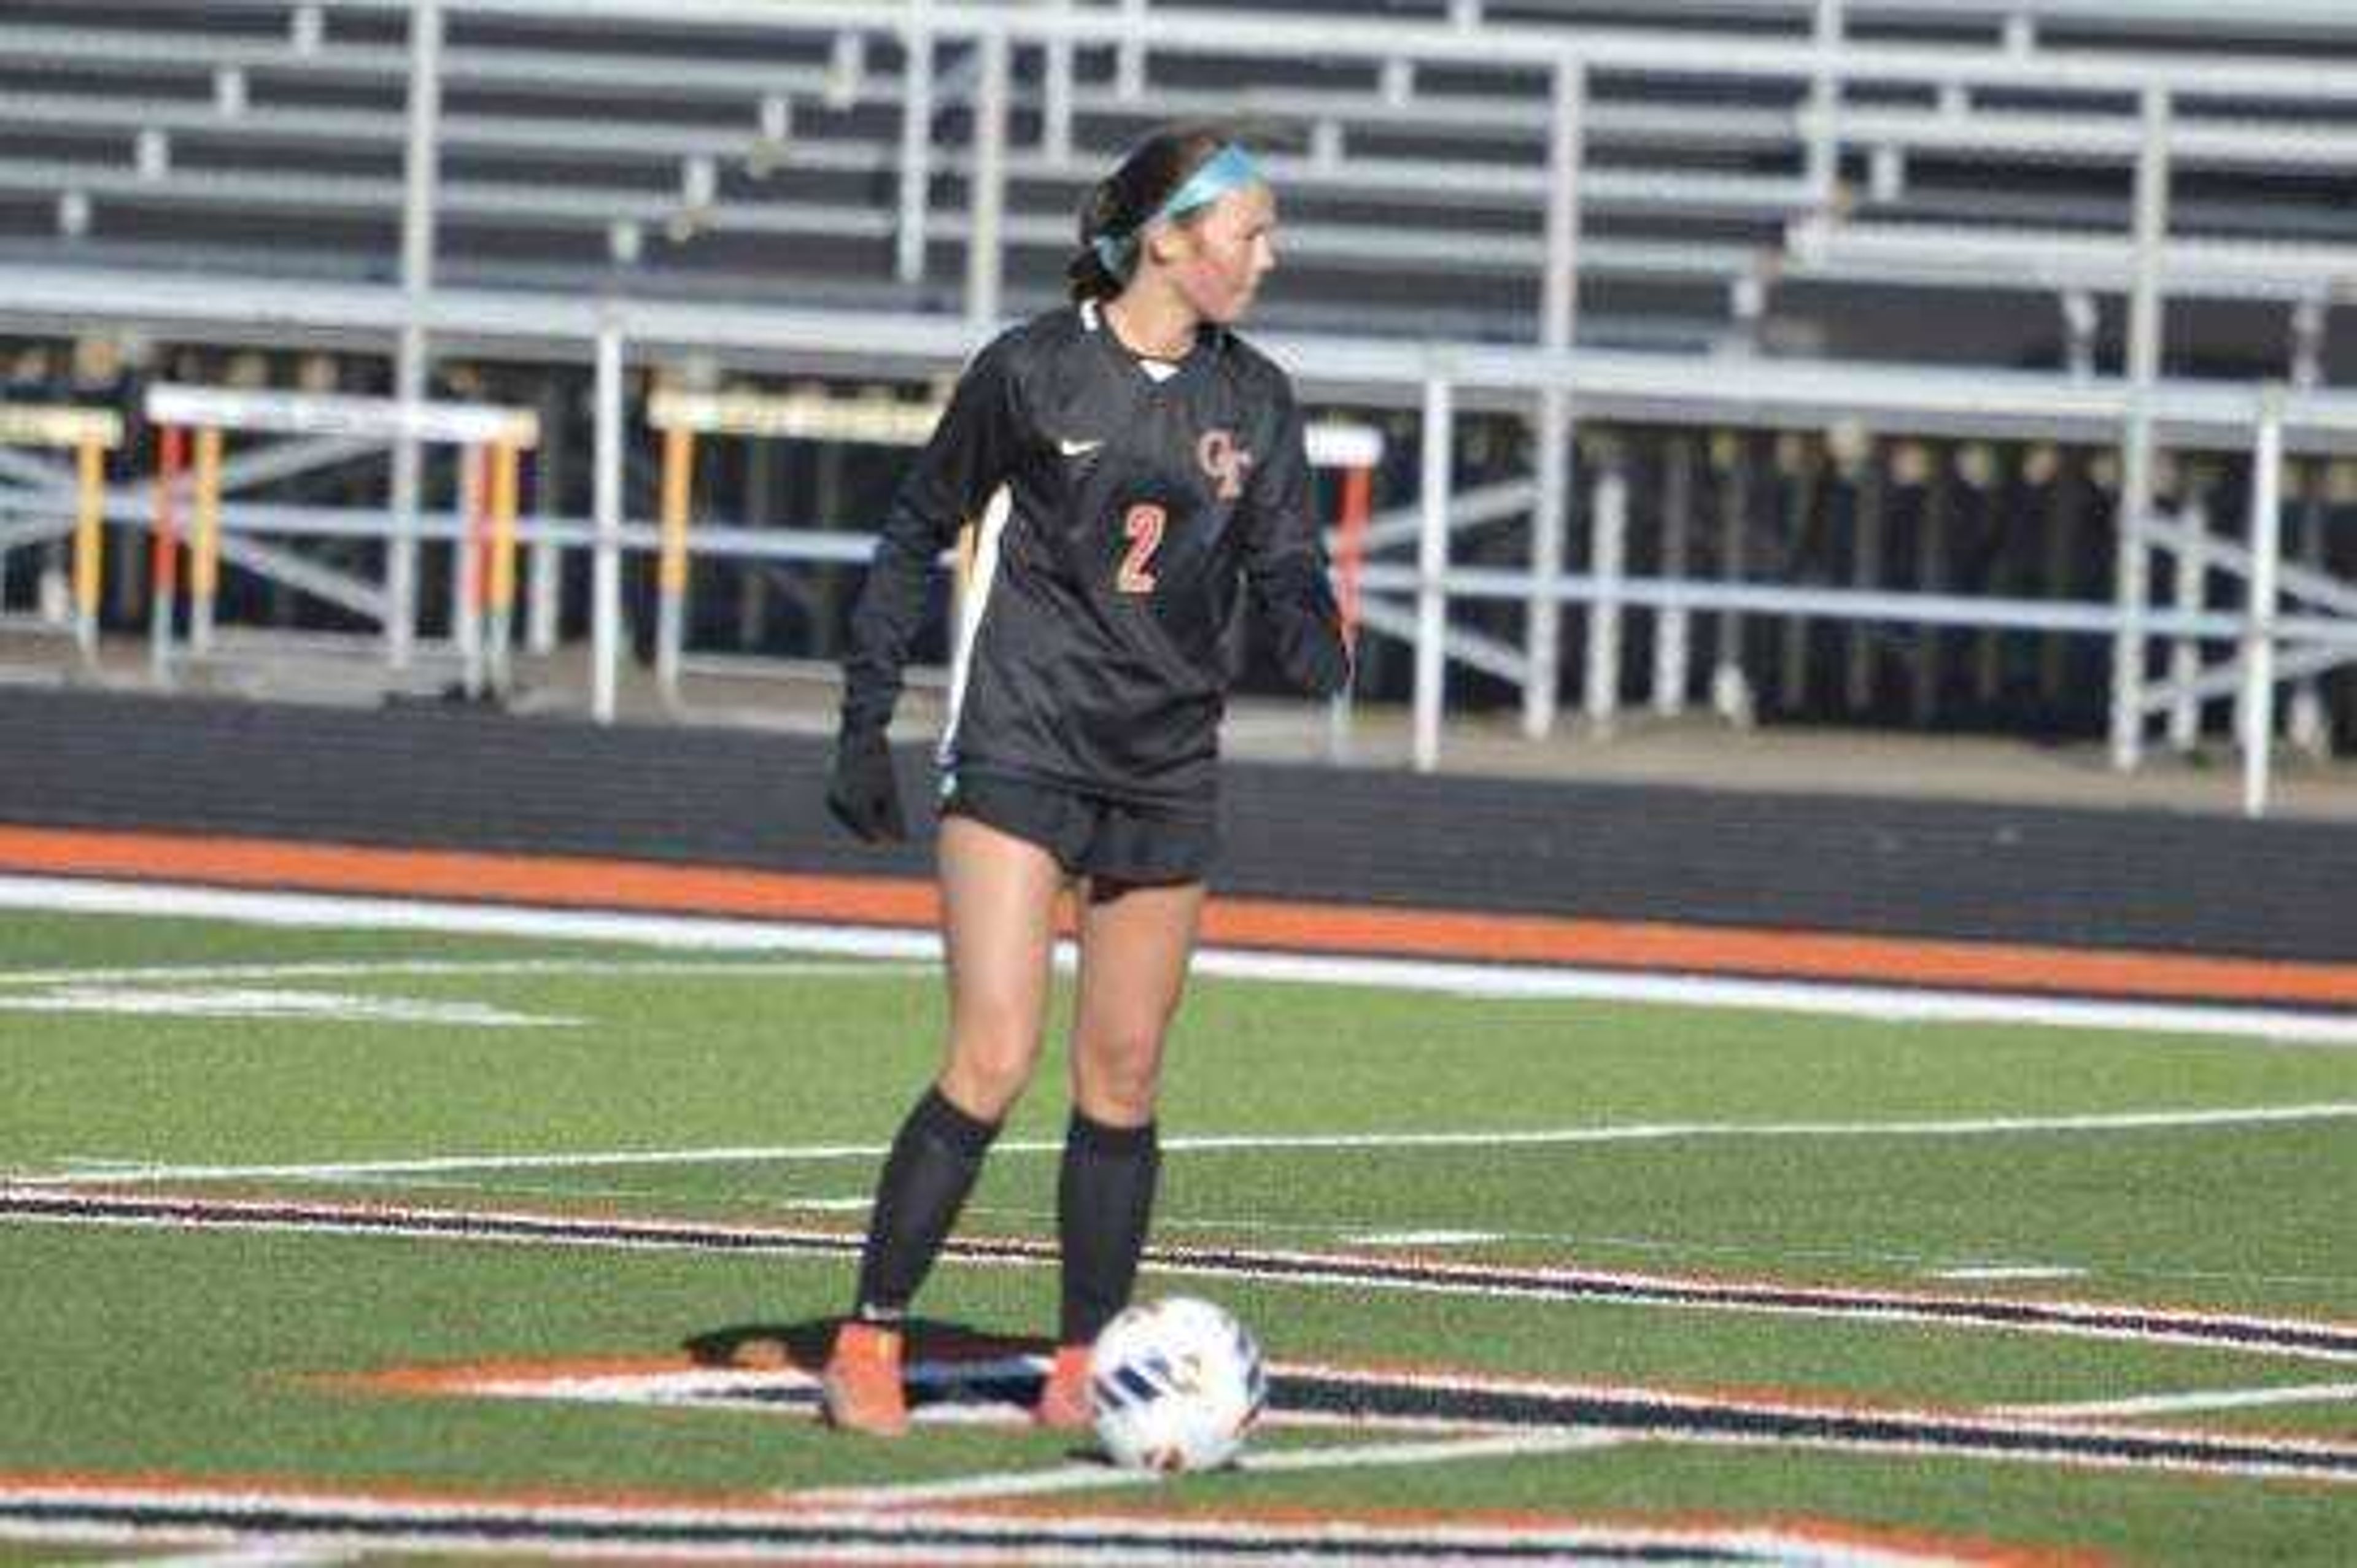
1135	943
999	930
998	898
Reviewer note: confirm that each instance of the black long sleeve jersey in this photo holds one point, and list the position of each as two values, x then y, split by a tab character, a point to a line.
1116	507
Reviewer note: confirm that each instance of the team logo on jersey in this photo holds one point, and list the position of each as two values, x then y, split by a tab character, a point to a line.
1223	462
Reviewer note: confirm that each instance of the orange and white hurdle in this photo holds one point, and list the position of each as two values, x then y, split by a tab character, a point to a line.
92	434
683	416
492	439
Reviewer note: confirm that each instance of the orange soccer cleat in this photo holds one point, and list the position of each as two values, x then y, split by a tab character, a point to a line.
1065	1393
860	1389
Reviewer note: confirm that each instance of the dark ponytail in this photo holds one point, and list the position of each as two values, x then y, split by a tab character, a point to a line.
1119	204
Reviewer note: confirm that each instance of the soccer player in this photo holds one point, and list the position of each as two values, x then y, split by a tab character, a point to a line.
1129	467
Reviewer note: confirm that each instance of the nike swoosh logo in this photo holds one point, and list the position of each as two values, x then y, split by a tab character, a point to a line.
1077	448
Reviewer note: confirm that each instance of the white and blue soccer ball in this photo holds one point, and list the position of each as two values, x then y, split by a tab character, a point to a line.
1176	1384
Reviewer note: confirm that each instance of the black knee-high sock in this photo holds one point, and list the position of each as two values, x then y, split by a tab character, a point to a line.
1103	1198
932	1166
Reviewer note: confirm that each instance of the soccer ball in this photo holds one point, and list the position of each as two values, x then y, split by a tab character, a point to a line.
1175	1385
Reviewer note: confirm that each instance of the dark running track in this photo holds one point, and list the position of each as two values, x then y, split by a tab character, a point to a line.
680	797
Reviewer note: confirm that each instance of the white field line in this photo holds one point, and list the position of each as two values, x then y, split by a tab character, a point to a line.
1089	1477
1426	1238
258	1002
2312	1339
1740	1252
1629	1133
242	1557
612	967
74	896
1495	981
1886	1004
2198	1400
534	1527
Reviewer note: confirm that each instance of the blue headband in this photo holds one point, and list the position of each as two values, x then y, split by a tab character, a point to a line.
1229	169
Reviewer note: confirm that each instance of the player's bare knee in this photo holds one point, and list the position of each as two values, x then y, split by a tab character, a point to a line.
1118	1079
988	1073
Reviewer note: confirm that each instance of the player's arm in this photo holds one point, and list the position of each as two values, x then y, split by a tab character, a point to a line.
1284	564
969	453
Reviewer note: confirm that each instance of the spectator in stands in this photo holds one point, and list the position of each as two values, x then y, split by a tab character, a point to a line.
1119	472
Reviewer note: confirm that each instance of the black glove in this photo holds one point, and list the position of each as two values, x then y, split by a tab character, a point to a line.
1306	628
862	792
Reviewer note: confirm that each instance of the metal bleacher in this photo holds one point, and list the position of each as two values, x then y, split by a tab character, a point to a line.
755	152
2103	223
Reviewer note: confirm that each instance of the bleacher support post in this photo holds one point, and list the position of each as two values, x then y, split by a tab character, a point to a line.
1552	428
1608	555
1802	481
1860	458
1432	565
1730	687
1932	552
605	558
2132	576
2256	710
2307	723
1822	166
1056	93
986	191
2188	592
916	143
420	181
1674	624
2066	510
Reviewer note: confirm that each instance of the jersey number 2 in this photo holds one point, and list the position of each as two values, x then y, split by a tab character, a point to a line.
1143	528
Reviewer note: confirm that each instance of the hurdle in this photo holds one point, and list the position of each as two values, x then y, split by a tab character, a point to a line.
806	414
490	440
92	433
685	416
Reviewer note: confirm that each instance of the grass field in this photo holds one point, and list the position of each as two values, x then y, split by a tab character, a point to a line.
347	1243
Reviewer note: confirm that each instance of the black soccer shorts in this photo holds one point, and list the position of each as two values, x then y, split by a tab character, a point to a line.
1110	840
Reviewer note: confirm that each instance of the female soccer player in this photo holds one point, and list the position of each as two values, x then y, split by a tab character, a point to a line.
1127	466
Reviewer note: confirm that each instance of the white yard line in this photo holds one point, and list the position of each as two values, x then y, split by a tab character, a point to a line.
1426	1238
1888	1003
616	967
1506	1446
240	1557
263	1002
75	895
2197	1399
1625	1133
2308	1339
1681	1132
1089	1477
1507	980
